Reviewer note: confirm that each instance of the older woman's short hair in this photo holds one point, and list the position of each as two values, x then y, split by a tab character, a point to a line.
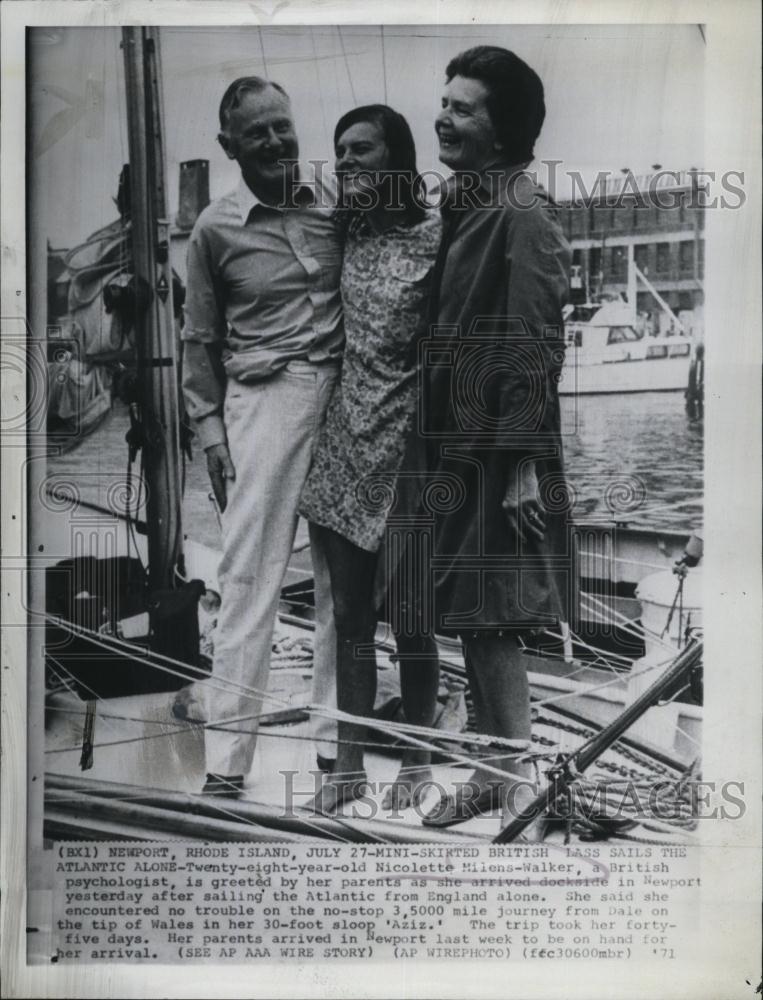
515	96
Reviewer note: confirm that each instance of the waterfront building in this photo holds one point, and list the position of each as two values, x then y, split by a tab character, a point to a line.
662	217
659	214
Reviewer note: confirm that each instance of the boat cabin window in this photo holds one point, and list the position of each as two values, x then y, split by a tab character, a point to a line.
623	334
679	350
583	312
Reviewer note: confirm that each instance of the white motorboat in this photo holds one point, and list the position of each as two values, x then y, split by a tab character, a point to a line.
609	351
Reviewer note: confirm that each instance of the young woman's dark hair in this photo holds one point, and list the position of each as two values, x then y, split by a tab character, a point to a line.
403	173
515	96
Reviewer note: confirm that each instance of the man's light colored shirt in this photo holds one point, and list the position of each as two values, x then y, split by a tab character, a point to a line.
262	290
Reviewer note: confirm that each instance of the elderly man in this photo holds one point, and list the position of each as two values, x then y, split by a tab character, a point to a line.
263	340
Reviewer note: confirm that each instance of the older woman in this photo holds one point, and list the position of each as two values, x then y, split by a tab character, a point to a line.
391	241
490	404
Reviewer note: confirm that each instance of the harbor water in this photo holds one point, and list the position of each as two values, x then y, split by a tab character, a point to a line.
635	458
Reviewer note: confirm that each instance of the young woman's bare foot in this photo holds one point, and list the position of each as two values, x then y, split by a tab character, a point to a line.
408	789
337	790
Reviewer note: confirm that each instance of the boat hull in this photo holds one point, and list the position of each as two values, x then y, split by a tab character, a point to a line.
640	375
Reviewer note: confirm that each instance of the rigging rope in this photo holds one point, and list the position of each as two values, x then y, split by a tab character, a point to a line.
384	65
401	731
181	728
600	655
598	780
157	660
604	557
68	674
211	802
405	730
266	73
318	81
627	625
346	64
590	689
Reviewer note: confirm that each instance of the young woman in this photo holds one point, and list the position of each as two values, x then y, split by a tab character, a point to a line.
391	242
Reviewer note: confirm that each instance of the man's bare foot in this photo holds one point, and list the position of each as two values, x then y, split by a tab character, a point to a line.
408	789
336	790
188	705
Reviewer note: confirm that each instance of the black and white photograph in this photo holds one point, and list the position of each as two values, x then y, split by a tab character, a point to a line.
381	454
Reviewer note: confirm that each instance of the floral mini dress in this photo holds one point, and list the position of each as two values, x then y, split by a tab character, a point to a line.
385	285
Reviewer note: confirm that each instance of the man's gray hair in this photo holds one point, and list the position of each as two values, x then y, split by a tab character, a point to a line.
244	85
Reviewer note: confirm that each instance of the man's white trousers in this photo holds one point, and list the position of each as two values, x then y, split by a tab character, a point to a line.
271	427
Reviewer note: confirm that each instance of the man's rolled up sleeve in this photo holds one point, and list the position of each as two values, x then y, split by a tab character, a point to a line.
203	335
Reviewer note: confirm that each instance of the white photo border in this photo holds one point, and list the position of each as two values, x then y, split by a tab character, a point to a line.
726	955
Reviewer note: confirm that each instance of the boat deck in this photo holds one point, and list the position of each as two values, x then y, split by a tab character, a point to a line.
143	743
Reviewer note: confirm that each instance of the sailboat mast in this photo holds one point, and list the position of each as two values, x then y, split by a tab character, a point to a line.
154	331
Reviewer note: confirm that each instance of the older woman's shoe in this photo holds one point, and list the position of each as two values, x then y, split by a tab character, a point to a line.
464	804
